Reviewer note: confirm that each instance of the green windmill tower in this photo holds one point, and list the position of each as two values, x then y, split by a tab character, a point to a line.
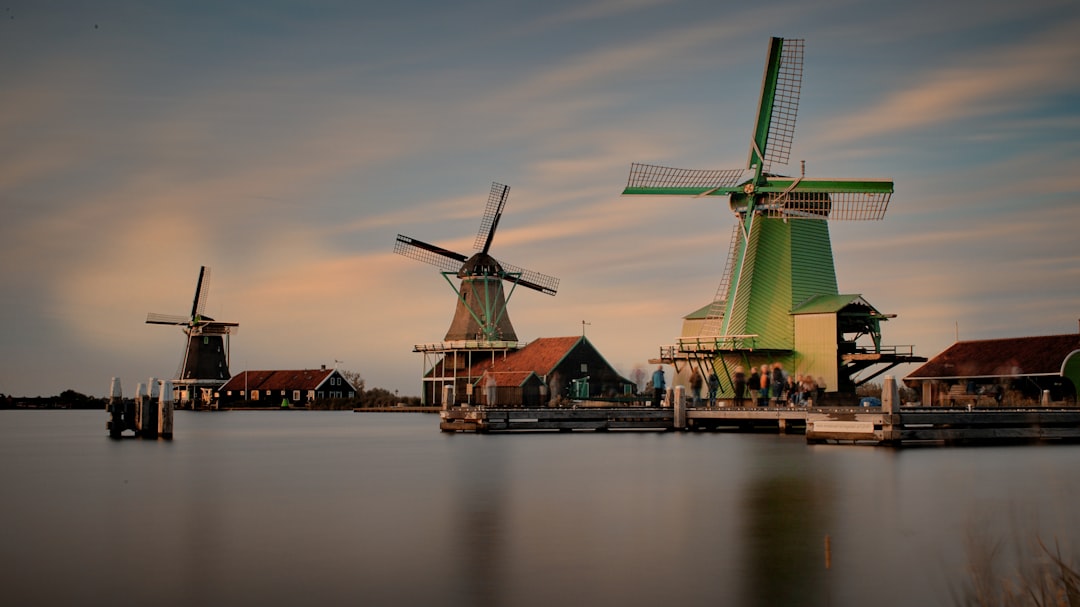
778	299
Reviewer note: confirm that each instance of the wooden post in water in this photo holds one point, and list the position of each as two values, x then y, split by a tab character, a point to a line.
678	395
890	408
149	427
890	396
165	411
140	408
447	397
116	409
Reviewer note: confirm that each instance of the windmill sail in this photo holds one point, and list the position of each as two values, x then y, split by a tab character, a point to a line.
481	308
780	87
492	214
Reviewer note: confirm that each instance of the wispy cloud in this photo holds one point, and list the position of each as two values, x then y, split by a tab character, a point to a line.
992	82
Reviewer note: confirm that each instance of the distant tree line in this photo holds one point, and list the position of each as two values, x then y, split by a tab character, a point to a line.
68	399
366	399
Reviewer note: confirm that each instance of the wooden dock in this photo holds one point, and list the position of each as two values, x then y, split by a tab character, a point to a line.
889	424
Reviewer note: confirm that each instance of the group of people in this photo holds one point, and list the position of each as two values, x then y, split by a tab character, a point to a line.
775	386
763	387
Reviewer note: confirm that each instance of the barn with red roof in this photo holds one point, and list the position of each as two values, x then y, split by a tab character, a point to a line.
1018	369
540	373
298	387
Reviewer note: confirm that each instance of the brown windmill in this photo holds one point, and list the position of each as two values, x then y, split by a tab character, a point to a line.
481	299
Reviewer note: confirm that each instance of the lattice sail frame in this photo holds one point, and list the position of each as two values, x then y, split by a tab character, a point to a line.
416	249
492	213
648	176
785	104
842	206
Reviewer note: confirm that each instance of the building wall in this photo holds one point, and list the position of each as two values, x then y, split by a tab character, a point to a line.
815	347
603	380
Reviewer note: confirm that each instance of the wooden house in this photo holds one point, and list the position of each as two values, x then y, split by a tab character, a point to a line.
546	371
292	387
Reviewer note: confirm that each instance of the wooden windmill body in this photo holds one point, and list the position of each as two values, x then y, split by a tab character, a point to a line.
205	364
481	327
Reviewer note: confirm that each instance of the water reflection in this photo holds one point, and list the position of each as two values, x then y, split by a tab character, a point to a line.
381	509
478	521
783	513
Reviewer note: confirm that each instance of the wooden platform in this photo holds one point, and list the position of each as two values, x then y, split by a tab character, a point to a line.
847	425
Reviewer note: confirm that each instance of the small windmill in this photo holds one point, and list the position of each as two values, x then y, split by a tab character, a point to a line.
481	300
780	254
206	351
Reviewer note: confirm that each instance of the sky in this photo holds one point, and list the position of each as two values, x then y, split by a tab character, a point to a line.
285	145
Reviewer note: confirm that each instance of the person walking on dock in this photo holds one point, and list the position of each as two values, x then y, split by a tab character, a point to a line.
695	387
659	385
739	384
714	385
754	386
778	382
766	379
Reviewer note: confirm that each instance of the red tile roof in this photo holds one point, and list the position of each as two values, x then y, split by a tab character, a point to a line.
505	378
540	356
301	379
1001	357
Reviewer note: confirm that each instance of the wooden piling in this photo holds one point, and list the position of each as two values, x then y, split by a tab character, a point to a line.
679	398
165	411
115	424
149	426
140	408
890	396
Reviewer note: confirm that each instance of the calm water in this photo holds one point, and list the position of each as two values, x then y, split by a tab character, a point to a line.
287	508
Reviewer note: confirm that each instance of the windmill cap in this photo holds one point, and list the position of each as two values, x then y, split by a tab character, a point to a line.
480	264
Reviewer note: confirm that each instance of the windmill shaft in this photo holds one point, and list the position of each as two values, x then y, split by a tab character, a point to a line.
165	319
829	186
434	249
695	192
197	305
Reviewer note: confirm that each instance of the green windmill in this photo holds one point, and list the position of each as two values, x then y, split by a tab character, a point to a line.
778	299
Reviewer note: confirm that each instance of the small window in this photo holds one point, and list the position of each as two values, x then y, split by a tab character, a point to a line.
296	395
